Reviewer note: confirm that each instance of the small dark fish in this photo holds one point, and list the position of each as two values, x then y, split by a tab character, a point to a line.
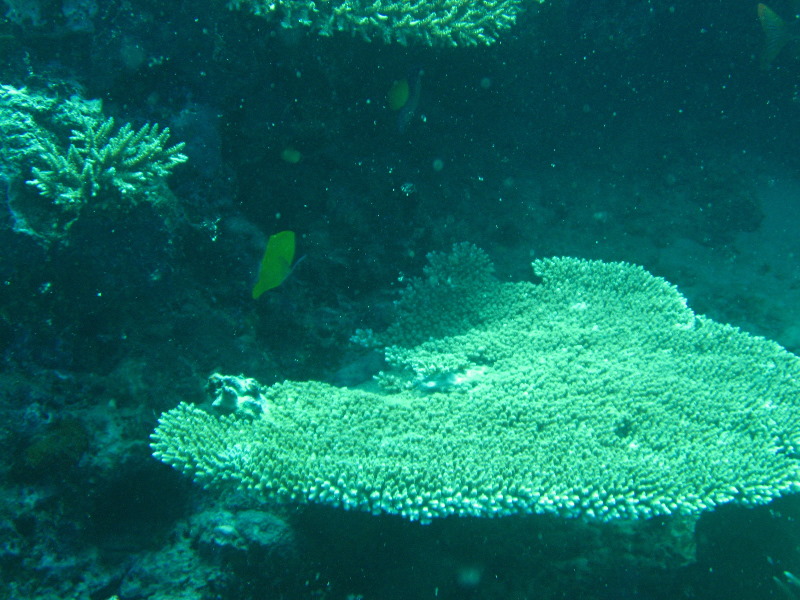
409	109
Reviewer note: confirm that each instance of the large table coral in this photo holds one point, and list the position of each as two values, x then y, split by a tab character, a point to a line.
595	393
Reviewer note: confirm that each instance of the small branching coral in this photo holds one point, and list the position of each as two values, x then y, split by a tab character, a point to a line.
97	163
72	156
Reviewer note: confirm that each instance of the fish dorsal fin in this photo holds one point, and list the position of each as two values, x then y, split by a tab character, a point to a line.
775	32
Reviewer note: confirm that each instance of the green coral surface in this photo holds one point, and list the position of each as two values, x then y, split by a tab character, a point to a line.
596	393
431	22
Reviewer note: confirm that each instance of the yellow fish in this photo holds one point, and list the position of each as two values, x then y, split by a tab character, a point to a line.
277	262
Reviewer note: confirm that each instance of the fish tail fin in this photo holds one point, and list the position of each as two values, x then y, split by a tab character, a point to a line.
775	34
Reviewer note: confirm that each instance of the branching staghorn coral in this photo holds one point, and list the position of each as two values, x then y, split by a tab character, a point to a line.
596	394
97	162
431	22
76	158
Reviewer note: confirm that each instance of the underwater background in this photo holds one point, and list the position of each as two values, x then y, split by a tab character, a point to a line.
149	150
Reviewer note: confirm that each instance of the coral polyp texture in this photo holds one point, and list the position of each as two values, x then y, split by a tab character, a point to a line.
596	393
431	22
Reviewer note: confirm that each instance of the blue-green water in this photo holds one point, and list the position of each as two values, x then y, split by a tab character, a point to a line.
654	133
